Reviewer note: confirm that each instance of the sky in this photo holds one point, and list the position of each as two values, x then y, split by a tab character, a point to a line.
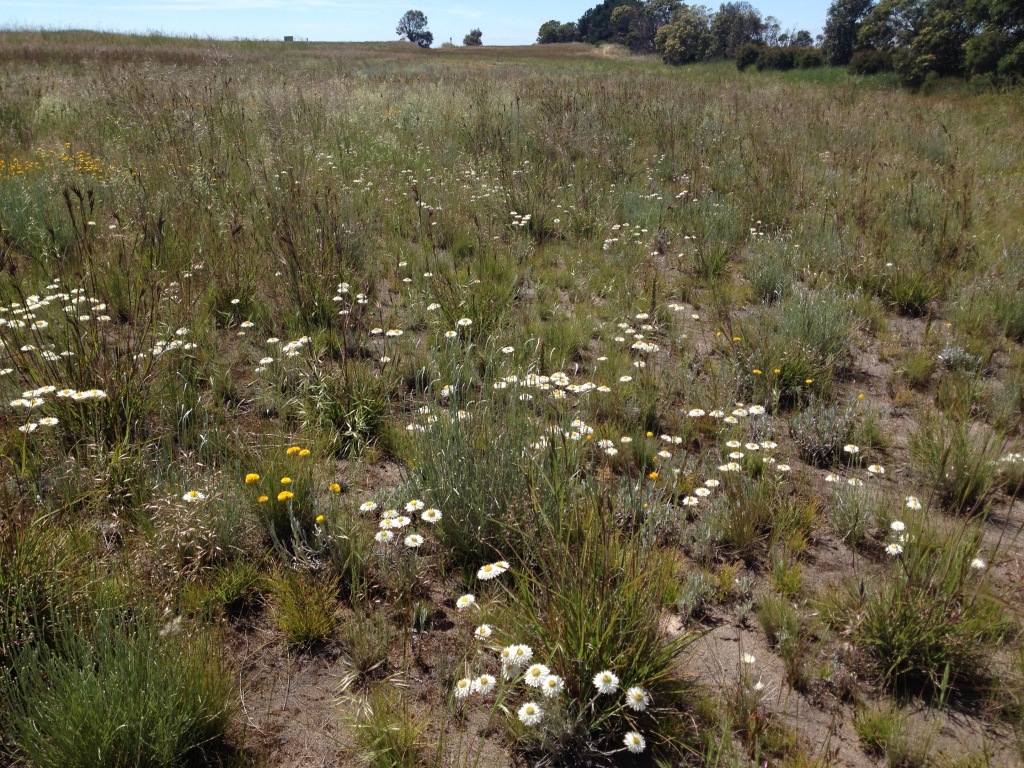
502	23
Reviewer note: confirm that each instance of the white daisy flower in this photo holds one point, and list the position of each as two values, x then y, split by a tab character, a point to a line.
551	686
463	688
634	742
637	698
535	675
530	713
484	684
606	682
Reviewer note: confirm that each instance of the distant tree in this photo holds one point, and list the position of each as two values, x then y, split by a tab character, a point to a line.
998	48
923	36
686	38
475	37
413	26
635	24
664	11
842	24
802	39
596	26
634	27
735	25
556	32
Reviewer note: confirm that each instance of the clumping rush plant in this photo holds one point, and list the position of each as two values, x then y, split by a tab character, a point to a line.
929	620
597	676
87	697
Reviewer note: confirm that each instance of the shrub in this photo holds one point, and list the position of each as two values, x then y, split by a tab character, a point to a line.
821	430
870	63
809	58
748	55
776	58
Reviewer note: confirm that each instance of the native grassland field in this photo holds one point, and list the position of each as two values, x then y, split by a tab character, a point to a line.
364	405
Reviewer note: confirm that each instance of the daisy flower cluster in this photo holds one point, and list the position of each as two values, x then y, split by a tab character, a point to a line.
873	471
726	415
33	399
73	304
393	523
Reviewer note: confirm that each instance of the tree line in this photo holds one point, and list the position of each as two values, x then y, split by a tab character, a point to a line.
914	38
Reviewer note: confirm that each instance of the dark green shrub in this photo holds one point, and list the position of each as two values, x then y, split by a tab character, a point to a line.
748	56
809	58
781	59
870	63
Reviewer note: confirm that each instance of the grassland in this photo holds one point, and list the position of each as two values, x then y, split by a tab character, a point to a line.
365	405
